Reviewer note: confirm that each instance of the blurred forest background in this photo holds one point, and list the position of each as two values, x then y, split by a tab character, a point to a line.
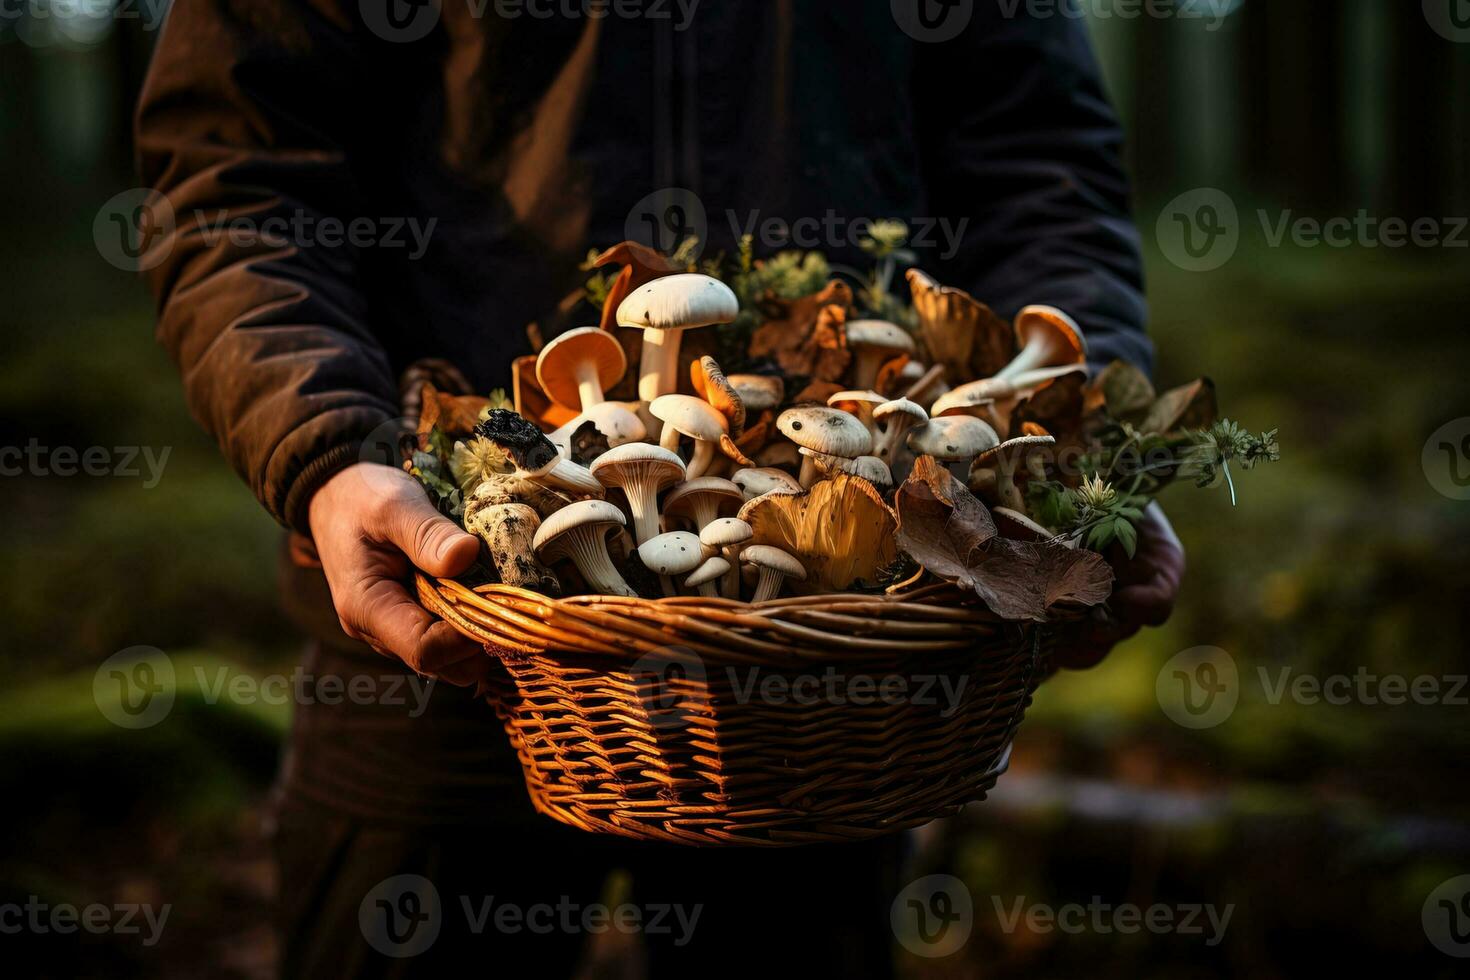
1326	826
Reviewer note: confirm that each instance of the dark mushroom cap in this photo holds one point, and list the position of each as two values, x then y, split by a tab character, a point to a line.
521	440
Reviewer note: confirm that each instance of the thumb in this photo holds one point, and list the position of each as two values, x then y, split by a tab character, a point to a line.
431	541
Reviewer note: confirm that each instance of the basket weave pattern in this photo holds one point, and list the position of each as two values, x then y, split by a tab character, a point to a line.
705	721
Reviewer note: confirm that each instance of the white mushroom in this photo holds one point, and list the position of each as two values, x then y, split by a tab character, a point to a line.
998	389
954	439
727	536
706	575
641	471
579	531
702	498
671	554
870	468
825	430
873	342
685	415
755	481
615	421
896	417
758	391
774	566
665	307
1003	459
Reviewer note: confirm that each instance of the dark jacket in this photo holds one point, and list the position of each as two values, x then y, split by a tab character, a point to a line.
527	139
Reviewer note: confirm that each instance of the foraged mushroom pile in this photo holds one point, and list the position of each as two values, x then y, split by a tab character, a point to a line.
853	448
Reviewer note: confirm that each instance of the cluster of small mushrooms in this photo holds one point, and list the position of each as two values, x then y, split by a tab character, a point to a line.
668	478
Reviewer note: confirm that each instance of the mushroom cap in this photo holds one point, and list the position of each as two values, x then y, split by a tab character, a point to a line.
827	430
765	556
901	406
724	532
1013	449
556	365
693	417
709	571
674	553
1052	322
711	384
953	438
678	302
881	334
614	420
756	480
870	468
584	513
859	403
758	391
681	499
638	460
973	395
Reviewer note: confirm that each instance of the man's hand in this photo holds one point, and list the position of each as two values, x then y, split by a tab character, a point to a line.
372	524
1147	585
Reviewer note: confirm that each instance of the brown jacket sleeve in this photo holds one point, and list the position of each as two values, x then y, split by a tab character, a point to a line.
243	123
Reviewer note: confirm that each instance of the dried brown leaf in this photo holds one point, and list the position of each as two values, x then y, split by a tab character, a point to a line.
1190	406
943	527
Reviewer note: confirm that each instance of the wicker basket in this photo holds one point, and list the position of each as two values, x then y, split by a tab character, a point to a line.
711	722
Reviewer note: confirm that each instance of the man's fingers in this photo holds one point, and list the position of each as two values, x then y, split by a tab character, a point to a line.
389	619
430	540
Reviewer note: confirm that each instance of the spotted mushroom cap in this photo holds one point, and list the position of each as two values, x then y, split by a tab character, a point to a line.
724	532
673	553
953	438
826	430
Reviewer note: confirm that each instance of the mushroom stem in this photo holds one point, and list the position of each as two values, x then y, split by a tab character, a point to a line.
809	472
669	439
891	440
587	549
1038	351
930	378
658	370
768	586
643	504
589	385
704	454
1005	485
509	531
866	364
730	585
